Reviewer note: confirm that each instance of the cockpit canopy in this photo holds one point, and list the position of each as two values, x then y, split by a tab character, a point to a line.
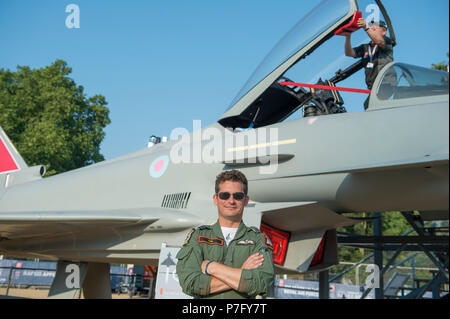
262	101
404	81
311	53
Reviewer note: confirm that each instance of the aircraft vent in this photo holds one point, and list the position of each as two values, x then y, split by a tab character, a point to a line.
177	201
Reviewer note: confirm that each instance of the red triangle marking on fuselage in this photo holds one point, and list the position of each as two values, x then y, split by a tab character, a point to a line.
7	162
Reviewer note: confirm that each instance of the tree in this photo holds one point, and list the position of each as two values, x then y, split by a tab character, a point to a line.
442	66
49	118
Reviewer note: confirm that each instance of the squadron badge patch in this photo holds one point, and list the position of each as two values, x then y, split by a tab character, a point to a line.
188	237
267	242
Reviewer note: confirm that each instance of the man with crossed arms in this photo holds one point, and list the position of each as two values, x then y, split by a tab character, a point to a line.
228	259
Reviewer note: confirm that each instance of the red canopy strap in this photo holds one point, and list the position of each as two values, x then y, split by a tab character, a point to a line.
324	87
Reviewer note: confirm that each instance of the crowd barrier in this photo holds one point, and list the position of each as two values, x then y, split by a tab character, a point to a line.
19	273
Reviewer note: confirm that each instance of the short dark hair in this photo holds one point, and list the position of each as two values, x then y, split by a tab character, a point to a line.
232	176
380	23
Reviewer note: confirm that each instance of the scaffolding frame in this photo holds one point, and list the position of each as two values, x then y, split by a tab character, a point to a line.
435	248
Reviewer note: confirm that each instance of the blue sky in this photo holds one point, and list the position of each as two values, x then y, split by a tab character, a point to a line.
162	65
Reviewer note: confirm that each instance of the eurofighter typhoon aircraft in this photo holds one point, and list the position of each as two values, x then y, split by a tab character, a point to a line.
302	177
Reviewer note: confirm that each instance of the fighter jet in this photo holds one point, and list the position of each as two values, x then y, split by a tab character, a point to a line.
168	261
303	172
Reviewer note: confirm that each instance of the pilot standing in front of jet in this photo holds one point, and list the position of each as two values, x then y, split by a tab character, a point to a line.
226	260
376	54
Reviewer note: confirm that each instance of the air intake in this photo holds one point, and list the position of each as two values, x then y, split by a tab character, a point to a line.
177	201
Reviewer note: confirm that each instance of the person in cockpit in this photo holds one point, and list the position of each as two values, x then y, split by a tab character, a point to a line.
376	54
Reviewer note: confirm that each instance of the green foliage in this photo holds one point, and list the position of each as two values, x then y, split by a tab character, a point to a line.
394	224
49	118
442	66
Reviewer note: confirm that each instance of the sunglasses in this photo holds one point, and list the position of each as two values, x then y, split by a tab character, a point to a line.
236	196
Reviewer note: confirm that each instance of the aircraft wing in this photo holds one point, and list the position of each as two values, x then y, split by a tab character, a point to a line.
47	224
425	162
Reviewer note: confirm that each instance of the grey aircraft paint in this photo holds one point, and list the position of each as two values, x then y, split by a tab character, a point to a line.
393	157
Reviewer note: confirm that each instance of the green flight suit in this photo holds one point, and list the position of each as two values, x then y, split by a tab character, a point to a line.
207	243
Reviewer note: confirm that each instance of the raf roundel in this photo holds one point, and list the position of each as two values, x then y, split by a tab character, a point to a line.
159	166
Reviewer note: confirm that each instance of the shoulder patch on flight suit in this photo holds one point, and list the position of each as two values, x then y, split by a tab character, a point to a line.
188	237
210	241
267	242
203	227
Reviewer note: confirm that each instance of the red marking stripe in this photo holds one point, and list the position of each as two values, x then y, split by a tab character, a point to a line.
324	87
7	162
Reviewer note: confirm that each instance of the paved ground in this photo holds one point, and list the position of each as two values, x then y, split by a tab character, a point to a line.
34	293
